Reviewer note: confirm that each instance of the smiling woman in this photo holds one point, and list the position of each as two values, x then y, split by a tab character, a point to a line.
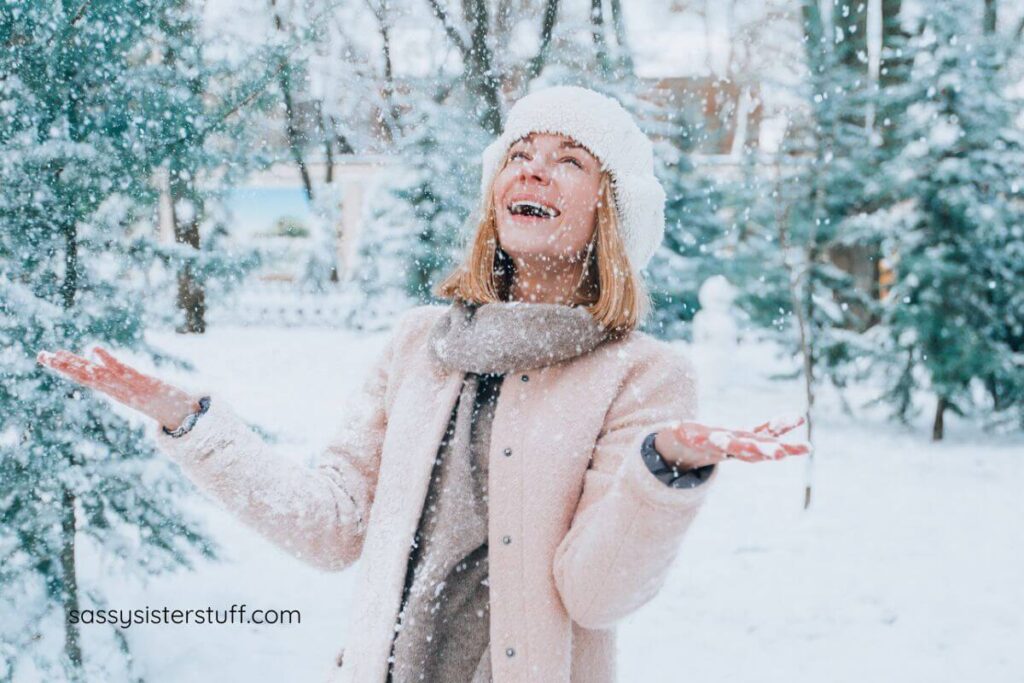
550	233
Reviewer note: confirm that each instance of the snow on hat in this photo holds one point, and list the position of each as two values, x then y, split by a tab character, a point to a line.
607	130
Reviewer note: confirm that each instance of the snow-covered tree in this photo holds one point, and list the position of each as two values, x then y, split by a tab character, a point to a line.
418	228
794	216
89	111
955	313
696	237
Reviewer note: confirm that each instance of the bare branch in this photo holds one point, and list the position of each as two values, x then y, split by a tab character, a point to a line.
81	12
390	116
597	31
292	126
449	29
378	10
620	34
536	64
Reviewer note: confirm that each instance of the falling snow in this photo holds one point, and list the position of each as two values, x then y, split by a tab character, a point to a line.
241	198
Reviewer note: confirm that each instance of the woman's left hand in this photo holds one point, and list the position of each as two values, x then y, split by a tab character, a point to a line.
691	444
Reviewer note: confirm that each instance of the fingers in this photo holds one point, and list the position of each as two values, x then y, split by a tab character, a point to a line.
742	449
767	449
779	425
801	448
718	444
71	365
125	373
106	357
715	445
750	450
81	371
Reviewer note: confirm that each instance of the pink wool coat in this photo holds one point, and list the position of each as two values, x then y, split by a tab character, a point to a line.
581	533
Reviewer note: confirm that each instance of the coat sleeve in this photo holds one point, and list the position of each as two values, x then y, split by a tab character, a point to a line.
628	525
318	513
668	475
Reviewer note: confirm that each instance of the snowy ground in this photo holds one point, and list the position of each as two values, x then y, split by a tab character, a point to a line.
907	566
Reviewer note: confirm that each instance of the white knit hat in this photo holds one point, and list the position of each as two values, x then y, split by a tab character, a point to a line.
600	124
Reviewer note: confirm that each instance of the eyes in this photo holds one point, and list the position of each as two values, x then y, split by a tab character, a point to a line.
523	155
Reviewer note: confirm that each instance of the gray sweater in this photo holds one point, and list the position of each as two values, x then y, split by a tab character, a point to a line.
443	632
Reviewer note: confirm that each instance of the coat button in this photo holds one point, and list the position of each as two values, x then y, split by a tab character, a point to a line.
508	452
525	378
510	651
506	539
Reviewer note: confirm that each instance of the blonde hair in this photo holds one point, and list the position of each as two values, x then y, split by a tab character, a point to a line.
618	300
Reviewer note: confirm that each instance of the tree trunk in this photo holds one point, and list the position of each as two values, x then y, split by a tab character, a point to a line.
894	68
803	327
807	350
390	118
68	587
989	25
536	65
625	54
69	581
597	35
483	76
292	128
851	18
69	286
938	427
478	60
329	153
329	176
191	298
191	293
293	132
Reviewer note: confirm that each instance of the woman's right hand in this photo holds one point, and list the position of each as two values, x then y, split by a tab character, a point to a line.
163	402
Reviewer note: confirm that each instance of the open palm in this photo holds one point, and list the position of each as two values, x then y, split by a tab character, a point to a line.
691	444
163	402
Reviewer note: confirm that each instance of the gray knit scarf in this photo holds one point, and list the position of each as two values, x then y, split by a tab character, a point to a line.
509	336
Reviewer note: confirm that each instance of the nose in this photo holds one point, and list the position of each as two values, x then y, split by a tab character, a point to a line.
535	169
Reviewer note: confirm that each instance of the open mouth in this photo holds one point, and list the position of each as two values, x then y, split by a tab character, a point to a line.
532	210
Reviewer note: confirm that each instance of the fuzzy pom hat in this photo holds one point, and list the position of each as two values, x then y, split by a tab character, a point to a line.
601	125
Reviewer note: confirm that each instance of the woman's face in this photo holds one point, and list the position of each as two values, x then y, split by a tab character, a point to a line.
545	198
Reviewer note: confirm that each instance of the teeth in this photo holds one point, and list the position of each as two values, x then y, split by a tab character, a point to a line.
527	208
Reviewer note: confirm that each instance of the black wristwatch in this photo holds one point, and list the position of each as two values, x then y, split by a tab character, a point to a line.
669	474
190	420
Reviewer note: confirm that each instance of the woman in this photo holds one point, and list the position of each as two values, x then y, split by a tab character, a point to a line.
501	539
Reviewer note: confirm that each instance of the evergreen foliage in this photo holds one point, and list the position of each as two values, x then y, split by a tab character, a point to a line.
90	110
955	313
